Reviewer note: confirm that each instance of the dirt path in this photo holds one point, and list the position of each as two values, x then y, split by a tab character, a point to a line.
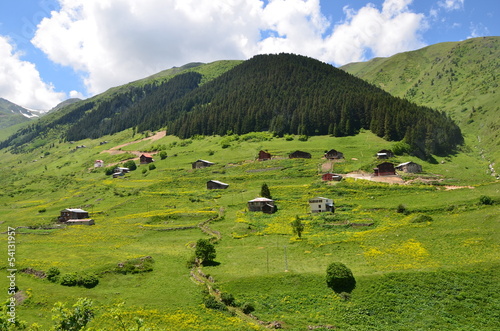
394	179
116	150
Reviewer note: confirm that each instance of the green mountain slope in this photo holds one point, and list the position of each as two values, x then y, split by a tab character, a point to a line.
460	78
11	114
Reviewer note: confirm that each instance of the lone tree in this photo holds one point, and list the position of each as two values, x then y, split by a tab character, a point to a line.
264	191
339	278
297	226
205	250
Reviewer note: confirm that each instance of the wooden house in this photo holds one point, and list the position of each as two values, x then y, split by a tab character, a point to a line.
331	177
201	164
216	185
84	221
334	155
299	155
410	167
263	156
72	214
98	163
385	154
320	204
146	158
264	205
384	169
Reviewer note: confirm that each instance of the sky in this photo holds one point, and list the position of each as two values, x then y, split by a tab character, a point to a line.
52	50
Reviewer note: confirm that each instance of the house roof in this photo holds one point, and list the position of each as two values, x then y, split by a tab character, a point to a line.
217	182
79	220
147	155
75	210
204	161
261	200
405	163
320	198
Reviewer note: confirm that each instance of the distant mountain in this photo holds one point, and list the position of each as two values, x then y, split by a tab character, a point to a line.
284	94
64	104
460	78
12	114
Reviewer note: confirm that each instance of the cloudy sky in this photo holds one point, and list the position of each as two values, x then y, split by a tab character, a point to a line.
51	50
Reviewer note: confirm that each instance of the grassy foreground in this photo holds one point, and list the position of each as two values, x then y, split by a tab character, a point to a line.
438	274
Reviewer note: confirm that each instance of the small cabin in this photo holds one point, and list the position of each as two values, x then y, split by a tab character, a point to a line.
320	205
199	164
334	155
98	163
299	155
384	154
331	177
72	214
216	185
146	158
122	170
84	221
263	156
384	169
410	167
264	205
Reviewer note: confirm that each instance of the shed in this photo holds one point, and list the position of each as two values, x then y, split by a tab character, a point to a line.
146	158
385	154
320	204
263	156
329	177
98	163
264	205
72	214
216	185
384	169
334	154
201	164
122	170
299	155
84	221
410	167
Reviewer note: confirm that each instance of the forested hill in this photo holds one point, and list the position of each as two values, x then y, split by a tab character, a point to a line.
282	93
295	94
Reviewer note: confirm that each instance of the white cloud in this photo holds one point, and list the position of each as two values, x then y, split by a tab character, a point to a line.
451	4
383	32
113	42
20	81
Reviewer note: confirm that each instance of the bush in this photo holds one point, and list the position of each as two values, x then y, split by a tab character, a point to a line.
247	308
205	251
88	280
130	164
339	278
402	209
303	137
109	171
211	303
485	200
163	155
69	280
152	166
228	299
421	218
53	274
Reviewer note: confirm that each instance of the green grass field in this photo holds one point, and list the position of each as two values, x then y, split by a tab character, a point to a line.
433	275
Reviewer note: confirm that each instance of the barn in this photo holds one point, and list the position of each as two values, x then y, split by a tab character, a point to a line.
410	167
384	154
72	214
216	185
198	164
263	156
334	155
329	177
299	155
264	205
384	169
146	158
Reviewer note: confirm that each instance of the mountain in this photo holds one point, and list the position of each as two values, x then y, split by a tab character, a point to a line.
11	114
284	94
64	104
460	78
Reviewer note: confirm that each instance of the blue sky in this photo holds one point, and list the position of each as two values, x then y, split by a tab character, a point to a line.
51	50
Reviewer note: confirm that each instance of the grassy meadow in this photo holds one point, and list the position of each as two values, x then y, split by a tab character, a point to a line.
441	273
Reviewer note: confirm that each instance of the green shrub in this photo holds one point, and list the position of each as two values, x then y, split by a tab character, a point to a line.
135	266
205	250
130	164
152	166
69	279
53	274
88	280
228	299
402	209
303	137
109	171
421	218
211	303
485	200
247	308
163	155
339	278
